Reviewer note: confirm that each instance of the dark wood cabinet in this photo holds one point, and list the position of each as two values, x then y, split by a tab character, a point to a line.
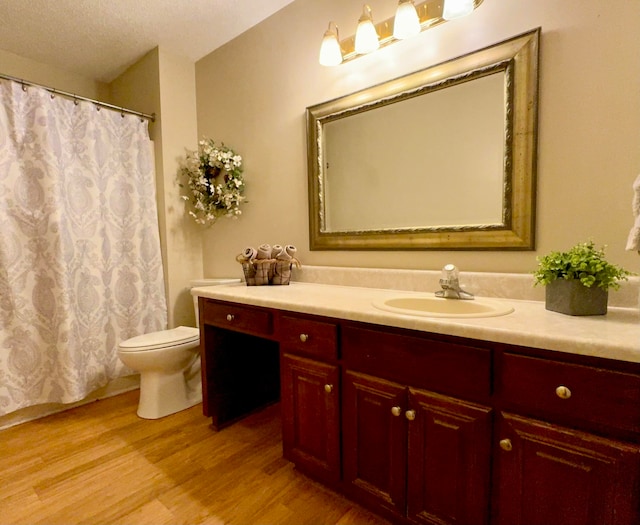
410	452
310	407
433	429
310	396
566	446
548	474
374	430
449	460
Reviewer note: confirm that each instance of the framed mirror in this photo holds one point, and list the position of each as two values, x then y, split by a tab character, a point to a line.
443	158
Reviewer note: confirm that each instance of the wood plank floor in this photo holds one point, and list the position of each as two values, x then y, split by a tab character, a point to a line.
100	463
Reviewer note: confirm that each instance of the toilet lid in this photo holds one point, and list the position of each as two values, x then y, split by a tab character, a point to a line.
161	339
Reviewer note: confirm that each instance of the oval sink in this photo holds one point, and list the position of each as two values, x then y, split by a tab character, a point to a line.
427	306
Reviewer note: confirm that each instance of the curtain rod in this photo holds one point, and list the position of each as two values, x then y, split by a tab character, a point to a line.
75	97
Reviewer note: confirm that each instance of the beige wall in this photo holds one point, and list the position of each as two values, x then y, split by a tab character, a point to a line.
39	73
164	84
252	94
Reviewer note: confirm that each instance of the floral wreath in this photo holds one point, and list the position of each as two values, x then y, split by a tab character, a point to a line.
214	174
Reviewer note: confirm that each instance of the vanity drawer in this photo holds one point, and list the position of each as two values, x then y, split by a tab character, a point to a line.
238	318
585	395
433	364
313	338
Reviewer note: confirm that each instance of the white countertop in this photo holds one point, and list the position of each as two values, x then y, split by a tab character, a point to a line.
615	335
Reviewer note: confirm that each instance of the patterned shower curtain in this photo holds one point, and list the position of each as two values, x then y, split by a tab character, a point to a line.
80	260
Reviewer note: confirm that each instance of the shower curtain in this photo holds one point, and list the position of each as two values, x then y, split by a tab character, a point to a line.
80	260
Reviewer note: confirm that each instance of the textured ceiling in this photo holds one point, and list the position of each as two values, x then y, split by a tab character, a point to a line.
99	39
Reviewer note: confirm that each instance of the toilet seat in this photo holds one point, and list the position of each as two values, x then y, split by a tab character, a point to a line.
161	339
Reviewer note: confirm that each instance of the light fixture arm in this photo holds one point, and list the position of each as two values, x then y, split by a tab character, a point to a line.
366	15
337	30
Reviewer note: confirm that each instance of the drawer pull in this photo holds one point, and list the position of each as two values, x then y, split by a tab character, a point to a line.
230	317
505	444
396	411
328	388
304	338
563	392
410	415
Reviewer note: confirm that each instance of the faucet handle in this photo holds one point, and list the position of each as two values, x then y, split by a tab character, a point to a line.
449	271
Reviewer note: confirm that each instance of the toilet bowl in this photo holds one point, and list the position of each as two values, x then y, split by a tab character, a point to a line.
169	365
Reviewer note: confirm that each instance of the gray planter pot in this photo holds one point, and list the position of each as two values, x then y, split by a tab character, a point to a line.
573	298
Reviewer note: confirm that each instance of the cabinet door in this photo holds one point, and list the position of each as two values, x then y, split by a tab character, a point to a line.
449	467
550	474
310	404
374	441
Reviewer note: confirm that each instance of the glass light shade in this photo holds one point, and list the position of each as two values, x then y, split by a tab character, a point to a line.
330	50
406	23
366	35
456	9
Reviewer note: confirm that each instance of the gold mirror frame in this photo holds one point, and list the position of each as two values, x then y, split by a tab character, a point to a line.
518	59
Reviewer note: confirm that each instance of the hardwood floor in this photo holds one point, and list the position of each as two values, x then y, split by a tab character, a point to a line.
100	463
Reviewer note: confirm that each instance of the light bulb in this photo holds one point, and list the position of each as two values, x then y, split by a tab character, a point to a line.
456	9
330	50
366	35
406	23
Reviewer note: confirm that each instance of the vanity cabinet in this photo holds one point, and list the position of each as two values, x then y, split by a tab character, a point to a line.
410	451
547	474
433	429
546	471
310	396
240	360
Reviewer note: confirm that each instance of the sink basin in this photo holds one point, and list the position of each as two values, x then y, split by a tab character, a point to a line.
428	306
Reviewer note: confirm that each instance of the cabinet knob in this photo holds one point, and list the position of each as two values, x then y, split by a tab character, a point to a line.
304	338
563	392
230	317
328	388
396	411
410	415
505	444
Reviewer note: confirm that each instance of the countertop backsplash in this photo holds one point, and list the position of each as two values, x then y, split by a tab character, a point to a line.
483	284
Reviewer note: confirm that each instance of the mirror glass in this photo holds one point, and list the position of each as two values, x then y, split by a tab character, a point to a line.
440	159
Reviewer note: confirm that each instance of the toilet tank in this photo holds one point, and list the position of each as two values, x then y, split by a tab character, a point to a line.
207	282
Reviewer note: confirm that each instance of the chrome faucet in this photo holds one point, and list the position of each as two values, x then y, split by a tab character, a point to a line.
450	284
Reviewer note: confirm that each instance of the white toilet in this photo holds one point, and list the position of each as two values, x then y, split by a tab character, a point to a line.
169	364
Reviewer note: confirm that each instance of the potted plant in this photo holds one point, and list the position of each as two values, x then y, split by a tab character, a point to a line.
578	281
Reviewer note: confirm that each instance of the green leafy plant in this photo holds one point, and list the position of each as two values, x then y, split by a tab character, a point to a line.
583	262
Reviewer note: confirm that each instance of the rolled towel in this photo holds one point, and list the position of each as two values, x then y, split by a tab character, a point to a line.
264	251
276	251
249	253
291	250
283	255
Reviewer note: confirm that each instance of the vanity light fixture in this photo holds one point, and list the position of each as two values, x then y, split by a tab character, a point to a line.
457	9
410	20
406	23
330	51
367	39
